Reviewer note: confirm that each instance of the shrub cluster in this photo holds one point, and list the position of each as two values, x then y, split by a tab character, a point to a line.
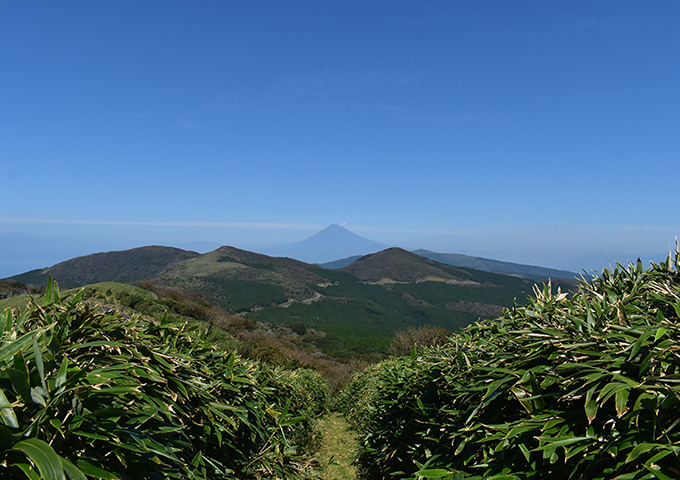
10	288
87	393
586	387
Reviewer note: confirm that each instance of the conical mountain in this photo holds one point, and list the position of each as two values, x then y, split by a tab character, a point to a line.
398	265
331	243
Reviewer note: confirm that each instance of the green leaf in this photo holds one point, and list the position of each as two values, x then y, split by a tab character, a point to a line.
658	457
638	343
291	421
93	471
55	294
591	405
28	470
61	374
433	473
72	471
39	395
48	292
39	362
7	412
658	474
590	321
94	436
639	450
525	452
660	332
76	298
554	442
285	409
43	457
12	347
621	399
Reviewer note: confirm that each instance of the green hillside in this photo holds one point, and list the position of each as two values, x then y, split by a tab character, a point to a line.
9	288
397	290
398	265
238	280
127	266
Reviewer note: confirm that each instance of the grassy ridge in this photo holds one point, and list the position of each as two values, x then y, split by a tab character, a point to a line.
586	387
126	266
87	393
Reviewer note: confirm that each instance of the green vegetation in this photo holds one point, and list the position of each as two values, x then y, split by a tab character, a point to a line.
286	345
339	451
87	392
127	266
405	341
586	387
240	280
240	295
11	288
350	314
360	319
149	381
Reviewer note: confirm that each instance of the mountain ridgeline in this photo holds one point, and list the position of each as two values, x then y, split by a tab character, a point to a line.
207	366
127	266
355	310
488	265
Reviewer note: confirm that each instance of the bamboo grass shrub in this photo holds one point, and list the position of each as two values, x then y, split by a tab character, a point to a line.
90	394
586	387
308	394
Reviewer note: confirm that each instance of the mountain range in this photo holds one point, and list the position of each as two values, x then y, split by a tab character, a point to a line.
488	265
356	308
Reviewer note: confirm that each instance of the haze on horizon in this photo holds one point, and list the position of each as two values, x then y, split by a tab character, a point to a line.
538	133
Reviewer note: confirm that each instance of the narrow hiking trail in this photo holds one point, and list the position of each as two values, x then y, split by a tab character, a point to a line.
339	449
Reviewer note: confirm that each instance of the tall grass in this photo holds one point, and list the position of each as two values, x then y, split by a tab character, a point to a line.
86	393
586	387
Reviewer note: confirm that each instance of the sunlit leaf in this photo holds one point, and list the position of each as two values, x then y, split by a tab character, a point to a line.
45	459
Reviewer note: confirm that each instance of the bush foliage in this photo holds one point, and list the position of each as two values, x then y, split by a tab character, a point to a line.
586	387
86	393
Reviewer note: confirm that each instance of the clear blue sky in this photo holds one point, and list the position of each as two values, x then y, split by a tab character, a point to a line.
531	131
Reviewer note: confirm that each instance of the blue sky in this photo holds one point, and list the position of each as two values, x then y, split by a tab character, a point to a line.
536	132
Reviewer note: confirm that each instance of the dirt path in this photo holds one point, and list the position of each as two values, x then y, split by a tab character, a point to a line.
339	451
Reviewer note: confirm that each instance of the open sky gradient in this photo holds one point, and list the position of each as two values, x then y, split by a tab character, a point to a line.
537	132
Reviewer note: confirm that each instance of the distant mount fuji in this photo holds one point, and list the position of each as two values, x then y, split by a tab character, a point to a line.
331	243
